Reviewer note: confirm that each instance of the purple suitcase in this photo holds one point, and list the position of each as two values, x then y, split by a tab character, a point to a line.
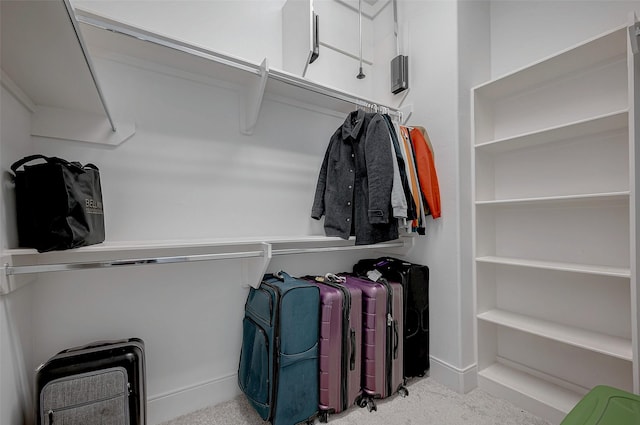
382	334
340	346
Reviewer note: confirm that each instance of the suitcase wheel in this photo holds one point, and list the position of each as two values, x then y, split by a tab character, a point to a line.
361	401
324	417
403	391
371	405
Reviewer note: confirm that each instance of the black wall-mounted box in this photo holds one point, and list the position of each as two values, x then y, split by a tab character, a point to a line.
399	74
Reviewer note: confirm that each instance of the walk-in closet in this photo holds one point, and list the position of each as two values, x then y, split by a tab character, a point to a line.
209	121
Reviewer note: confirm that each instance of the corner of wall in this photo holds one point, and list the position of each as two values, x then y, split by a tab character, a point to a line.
459	380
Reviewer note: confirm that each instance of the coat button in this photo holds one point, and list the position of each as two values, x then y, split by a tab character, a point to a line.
349	203
349	186
348	219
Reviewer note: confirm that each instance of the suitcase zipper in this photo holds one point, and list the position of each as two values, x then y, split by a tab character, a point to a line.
266	342
51	412
389	365
254	313
276	348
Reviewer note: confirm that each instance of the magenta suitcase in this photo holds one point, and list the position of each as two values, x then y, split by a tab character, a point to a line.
340	346
382	320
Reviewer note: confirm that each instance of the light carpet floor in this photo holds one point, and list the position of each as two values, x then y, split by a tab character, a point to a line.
428	403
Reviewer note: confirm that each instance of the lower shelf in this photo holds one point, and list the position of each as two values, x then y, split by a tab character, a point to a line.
581	338
538	396
19	264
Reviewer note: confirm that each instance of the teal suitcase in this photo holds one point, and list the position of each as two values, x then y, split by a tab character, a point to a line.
605	405
278	370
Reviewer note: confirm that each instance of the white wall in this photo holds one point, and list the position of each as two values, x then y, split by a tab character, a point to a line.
15	309
474	65
524	31
433	75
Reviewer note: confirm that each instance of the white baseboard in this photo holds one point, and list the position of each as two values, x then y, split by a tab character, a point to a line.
459	380
174	403
169	405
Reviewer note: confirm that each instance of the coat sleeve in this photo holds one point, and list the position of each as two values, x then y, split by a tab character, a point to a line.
379	170
318	208
398	199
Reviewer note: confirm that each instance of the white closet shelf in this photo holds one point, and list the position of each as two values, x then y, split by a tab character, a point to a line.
123	42
20	264
601	49
584	339
528	391
605	123
46	66
561	199
558	266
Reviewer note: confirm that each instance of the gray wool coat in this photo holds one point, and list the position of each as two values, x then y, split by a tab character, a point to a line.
355	182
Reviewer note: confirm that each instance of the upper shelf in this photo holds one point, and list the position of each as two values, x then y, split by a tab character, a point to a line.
114	39
611	122
602	49
46	66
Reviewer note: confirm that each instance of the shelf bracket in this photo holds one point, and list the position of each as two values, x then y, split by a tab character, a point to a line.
406	111
255	268
10	282
253	101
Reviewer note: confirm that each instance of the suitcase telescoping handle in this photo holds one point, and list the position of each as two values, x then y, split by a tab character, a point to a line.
352	358
95	344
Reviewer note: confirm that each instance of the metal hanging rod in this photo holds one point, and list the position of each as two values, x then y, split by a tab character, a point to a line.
336	248
333	93
45	268
137	33
88	265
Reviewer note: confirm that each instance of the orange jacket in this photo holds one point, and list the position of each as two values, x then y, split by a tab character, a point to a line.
426	170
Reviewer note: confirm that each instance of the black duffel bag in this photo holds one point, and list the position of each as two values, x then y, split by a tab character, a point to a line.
58	204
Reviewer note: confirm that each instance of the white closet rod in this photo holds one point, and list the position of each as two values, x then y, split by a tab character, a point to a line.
45	268
333	93
337	248
120	28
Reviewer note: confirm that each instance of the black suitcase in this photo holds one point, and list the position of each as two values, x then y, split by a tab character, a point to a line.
415	282
99	383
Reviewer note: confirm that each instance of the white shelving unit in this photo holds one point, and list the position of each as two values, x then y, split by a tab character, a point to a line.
68	31
554	227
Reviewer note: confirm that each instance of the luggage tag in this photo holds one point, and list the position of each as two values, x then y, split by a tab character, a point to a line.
330	277
374	275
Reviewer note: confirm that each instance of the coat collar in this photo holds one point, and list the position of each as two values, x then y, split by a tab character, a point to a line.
353	125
